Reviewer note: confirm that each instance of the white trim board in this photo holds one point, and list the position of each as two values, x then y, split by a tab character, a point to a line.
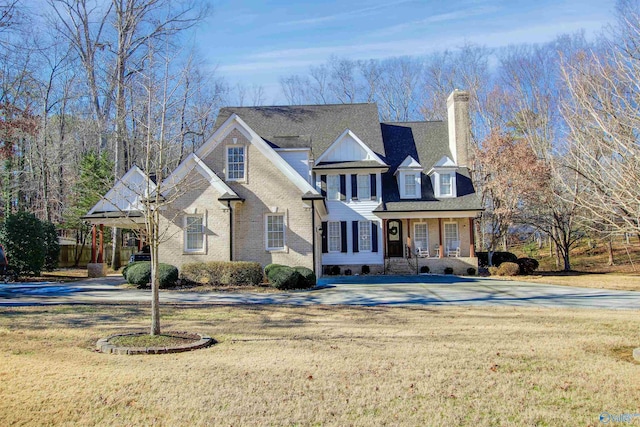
235	122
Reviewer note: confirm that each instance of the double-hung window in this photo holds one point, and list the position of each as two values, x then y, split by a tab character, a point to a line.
333	187
364	187
194	234
364	236
445	184
334	237
275	232
235	163
451	239
421	235
410	185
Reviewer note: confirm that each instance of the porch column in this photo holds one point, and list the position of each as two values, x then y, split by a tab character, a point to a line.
384	238
100	259
472	242
440	237
93	244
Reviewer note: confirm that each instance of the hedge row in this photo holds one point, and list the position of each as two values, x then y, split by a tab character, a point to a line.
284	277
223	273
139	273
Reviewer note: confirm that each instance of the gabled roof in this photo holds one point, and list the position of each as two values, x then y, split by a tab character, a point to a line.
344	138
237	123
126	193
193	162
311	126
409	164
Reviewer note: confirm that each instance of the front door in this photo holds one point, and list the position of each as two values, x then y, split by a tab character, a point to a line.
394	238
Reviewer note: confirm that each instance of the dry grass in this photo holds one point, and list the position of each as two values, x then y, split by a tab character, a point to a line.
583	280
322	366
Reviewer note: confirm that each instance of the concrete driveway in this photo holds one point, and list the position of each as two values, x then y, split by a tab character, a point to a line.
363	290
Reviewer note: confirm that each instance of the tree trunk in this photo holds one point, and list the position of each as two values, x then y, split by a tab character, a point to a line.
565	258
610	250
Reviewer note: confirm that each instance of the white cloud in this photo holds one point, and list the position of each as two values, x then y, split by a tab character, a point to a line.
343	15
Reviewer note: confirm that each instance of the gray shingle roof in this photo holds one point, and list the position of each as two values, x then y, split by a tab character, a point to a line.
469	202
314	126
318	126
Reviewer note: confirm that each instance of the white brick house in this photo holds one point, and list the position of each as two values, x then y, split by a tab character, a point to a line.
322	186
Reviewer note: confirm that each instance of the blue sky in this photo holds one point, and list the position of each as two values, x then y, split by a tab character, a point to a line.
256	42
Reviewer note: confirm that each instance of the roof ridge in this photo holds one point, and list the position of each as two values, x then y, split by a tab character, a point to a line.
302	105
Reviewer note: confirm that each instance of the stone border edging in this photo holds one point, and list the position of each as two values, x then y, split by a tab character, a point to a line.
104	346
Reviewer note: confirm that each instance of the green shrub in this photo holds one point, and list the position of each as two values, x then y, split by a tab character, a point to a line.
224	273
448	270
424	269
508	269
285	278
51	246
471	271
126	267
23	240
308	277
527	265
365	269
270	267
139	273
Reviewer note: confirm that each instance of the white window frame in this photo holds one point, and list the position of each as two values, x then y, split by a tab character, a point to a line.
407	182
447	240
364	236
438	184
402	183
244	162
425	241
363	183
267	232
334	227
187	233
333	192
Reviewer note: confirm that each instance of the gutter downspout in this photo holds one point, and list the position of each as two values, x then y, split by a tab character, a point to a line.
230	230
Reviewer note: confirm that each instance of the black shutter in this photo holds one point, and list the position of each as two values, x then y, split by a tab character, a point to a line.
374	188
354	186
323	185
325	246
343	232
354	228
374	236
343	187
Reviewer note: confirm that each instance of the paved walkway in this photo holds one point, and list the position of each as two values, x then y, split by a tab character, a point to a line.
365	291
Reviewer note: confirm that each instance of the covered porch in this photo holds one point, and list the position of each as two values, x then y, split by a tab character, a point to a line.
100	223
420	242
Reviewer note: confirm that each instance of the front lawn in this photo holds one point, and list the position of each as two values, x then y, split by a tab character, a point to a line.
322	366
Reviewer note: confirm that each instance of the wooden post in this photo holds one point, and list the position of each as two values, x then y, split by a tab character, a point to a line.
440	237
472	242
93	244
101	252
384	238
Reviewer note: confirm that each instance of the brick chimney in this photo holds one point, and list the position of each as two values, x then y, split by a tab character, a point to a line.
459	126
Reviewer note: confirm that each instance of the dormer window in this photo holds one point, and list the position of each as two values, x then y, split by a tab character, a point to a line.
444	178
409	176
410	184
445	184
